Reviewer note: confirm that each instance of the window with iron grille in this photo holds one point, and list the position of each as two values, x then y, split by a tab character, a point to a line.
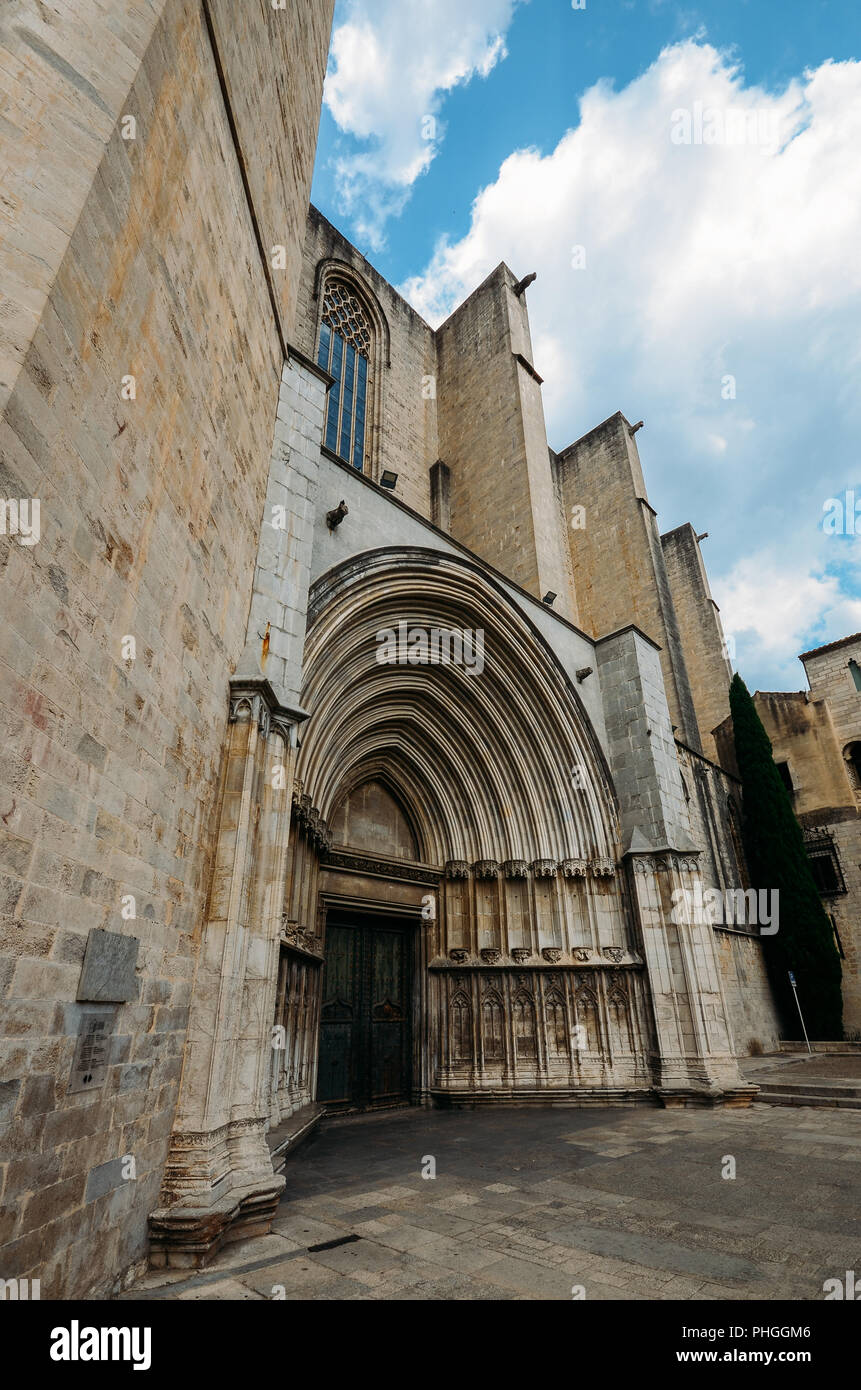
824	862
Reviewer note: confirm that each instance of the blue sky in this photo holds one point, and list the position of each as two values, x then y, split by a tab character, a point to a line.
720	299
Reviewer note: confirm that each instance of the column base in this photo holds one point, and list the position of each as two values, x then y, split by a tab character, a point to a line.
219	1186
734	1097
187	1236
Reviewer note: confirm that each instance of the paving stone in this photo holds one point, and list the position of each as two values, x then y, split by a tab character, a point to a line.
657	1223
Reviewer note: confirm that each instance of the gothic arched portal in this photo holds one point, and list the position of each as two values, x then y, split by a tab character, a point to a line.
449	781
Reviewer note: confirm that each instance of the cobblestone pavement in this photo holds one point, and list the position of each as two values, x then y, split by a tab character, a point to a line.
526	1204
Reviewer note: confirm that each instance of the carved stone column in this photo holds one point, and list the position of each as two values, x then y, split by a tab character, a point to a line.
694	1060
694	1055
218	1183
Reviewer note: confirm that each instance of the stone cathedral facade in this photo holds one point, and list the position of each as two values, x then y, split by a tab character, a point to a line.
357	744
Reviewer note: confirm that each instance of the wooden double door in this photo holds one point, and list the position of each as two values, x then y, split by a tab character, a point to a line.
365	1058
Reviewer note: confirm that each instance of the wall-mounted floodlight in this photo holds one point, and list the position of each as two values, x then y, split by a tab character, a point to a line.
549	598
389	480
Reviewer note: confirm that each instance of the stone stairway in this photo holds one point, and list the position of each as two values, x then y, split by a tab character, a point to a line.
819	1080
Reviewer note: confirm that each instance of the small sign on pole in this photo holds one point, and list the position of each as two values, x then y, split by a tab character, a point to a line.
800	1014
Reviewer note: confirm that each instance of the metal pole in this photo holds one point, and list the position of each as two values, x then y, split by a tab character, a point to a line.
800	1014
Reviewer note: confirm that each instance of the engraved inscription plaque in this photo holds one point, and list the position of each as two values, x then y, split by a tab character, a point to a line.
92	1052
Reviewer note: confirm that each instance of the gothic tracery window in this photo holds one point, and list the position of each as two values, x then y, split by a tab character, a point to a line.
345	351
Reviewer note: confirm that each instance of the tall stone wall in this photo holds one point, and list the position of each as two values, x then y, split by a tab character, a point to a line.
618	564
700	629
829	676
65	76
492	437
750	1006
710	792
846	914
152	494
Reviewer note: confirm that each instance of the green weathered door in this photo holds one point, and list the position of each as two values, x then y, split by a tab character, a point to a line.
365	1016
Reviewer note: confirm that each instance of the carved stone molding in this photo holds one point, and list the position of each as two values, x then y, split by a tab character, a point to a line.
283	727
490	955
666	861
301	938
574	868
581	954
379	868
485	868
515	868
250	705
458	955
310	822
521	954
457	868
254	698
603	868
553	954
613	953
544	868
683	863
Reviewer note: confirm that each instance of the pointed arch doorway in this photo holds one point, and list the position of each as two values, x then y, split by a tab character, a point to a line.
366	1014
370	1000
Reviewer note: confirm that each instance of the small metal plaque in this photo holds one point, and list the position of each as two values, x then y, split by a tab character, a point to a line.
92	1052
108	973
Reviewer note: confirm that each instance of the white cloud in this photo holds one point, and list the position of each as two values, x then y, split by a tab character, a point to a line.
703	262
391	64
773	609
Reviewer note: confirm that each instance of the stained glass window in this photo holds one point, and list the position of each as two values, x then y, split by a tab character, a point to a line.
344	351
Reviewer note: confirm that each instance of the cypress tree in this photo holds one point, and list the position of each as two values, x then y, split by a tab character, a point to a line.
777	859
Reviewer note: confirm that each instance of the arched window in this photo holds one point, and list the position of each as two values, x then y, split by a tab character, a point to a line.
345	351
852	758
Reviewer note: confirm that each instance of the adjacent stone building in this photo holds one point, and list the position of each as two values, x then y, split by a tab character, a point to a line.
816	738
357	745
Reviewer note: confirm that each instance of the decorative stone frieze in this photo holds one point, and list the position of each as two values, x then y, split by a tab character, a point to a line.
485	868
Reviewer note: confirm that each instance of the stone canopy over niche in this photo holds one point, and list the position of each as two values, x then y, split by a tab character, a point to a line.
370	819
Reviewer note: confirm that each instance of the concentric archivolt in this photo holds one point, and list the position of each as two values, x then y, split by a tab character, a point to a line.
500	765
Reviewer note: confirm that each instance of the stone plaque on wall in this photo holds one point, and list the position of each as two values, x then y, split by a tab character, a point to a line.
108	973
92	1052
